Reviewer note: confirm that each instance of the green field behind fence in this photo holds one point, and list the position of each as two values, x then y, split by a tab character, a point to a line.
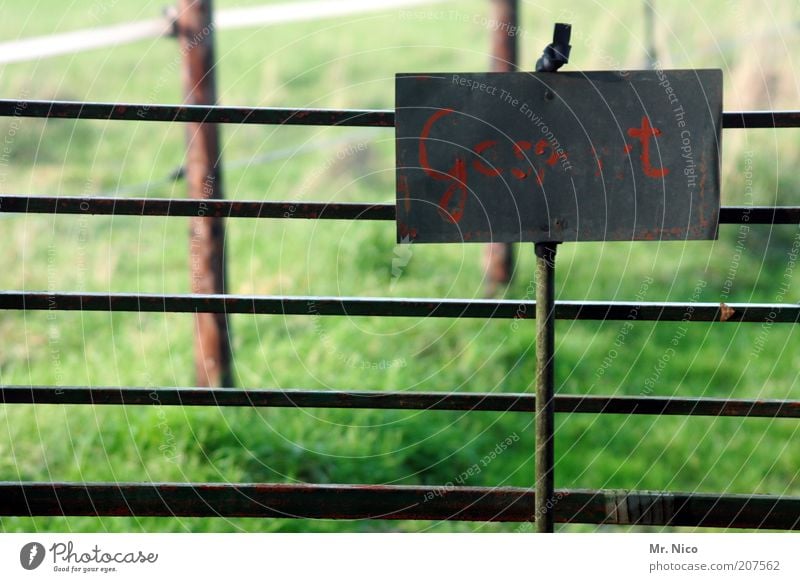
351	63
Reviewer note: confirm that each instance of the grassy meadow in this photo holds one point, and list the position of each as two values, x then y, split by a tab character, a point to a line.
351	62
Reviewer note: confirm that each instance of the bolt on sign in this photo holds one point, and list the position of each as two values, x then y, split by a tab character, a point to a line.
558	157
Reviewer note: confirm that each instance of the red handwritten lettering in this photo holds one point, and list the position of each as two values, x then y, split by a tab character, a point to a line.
541	145
402	190
459	185
479	165
599	161
457	175
519	148
643	134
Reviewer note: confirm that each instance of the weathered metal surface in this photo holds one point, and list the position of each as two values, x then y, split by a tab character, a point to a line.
294	209
509	504
545	386
405	307
196	113
212	348
288	116
476	401
558	156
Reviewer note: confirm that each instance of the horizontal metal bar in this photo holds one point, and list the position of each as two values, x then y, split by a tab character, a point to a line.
296	209
287	116
184	207
759	215
760	119
401	307
475	401
197	113
509	504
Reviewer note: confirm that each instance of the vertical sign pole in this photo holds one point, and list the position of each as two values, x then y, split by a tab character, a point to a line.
207	260
499	257
545	386
555	55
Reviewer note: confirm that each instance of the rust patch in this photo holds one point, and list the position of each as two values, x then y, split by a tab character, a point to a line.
725	312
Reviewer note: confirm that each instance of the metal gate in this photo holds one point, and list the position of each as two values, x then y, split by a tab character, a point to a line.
510	504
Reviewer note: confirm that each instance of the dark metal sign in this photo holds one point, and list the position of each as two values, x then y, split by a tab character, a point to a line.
510	157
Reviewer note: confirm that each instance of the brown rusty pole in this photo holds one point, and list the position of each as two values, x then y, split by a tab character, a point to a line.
204	178
499	257
545	386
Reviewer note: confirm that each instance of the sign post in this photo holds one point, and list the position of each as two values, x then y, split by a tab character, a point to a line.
555	55
552	158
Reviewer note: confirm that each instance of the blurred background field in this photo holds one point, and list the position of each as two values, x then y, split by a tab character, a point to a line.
351	62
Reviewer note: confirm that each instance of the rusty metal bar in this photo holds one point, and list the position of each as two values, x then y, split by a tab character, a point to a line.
501	504
288	116
400	307
182	207
444	401
195	29
14	203
545	385
196	113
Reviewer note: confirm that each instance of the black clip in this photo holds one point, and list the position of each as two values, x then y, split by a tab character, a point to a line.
556	53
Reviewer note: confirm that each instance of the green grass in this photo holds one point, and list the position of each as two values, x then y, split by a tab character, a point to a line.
341	63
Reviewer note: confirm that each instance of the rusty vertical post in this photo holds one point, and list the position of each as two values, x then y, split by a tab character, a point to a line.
499	257
545	386
204	178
